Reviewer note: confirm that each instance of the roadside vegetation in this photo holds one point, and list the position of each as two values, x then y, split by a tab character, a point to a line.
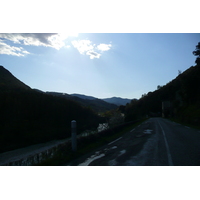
87	144
179	99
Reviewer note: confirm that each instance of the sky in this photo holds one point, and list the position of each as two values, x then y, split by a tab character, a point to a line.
102	65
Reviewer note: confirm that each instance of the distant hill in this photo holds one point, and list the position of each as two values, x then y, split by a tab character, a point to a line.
10	82
29	116
117	100
113	100
82	96
96	104
178	99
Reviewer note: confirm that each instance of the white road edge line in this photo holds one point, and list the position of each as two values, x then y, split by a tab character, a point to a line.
115	140
167	147
132	130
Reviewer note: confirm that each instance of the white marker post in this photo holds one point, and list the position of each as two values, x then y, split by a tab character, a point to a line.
73	129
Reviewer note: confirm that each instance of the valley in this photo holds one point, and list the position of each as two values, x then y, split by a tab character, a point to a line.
30	116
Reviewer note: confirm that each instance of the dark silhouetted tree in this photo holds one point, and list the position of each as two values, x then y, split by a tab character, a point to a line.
197	53
158	87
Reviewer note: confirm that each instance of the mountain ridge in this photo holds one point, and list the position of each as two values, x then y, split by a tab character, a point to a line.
29	116
96	104
8	81
83	96
113	100
179	99
118	100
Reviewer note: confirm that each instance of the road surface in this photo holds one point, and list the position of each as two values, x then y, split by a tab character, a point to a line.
156	142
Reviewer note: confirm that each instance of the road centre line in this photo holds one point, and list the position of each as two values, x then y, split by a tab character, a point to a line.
167	147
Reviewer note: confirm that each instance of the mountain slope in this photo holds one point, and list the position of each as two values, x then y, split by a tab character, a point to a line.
113	100
180	99
82	96
8	81
28	116
97	105
117	101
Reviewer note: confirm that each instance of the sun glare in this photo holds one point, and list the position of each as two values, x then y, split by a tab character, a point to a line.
66	35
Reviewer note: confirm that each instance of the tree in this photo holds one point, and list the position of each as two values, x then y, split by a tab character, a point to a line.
158	87
197	53
116	119
143	95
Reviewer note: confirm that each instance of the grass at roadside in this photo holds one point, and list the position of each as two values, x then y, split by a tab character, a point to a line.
88	144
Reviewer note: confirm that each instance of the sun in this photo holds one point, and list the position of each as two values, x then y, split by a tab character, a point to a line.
64	36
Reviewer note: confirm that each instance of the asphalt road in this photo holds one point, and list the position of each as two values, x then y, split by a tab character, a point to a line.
156	142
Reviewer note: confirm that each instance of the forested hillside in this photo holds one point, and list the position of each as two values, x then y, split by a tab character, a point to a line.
28	116
178	99
95	104
9	82
117	100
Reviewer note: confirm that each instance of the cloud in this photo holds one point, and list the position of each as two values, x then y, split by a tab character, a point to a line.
53	40
83	46
93	54
92	50
104	47
11	50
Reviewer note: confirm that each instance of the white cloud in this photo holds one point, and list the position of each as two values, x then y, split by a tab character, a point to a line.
86	47
83	46
54	40
11	50
93	54
57	41
104	47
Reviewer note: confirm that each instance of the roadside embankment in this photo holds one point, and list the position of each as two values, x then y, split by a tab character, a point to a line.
31	155
59	152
